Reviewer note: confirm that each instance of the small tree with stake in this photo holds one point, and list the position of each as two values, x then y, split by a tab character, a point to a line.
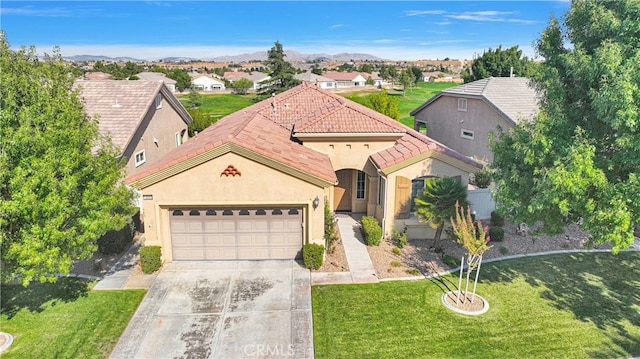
475	240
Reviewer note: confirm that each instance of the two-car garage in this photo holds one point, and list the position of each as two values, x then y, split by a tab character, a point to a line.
228	233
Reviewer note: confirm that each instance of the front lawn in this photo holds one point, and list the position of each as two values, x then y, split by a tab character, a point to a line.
65	319
217	105
561	306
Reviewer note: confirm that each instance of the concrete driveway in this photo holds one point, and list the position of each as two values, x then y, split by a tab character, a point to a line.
238	309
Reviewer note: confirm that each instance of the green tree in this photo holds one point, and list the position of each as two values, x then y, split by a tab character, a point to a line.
281	73
365	67
60	182
183	80
436	205
417	73
580	159
194	99
241	86
385	104
500	63
407	79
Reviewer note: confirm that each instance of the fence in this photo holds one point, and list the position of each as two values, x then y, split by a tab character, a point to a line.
481	202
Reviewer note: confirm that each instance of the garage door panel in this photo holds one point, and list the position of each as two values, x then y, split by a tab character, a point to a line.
224	233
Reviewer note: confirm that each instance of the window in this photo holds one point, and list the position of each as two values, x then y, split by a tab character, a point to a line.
381	190
293	211
261	212
360	185
466	134
276	212
158	101
244	212
194	212
462	104
421	127
227	212
178	212
179	138
140	158
210	212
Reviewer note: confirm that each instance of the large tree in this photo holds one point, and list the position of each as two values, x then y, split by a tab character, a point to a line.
282	72
500	63
382	102
60	182
183	80
579	161
437	203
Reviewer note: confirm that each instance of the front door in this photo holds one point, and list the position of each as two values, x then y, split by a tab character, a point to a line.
342	191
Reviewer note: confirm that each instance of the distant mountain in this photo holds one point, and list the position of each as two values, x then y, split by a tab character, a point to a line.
292	56
79	58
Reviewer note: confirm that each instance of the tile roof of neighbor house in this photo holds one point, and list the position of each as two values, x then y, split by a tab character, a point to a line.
236	75
513	97
344	76
312	78
97	76
121	105
268	127
156	76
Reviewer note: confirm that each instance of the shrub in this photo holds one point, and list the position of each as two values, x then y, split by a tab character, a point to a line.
313	254
396	264
371	231
496	219
451	261
413	271
115	242
396	251
150	260
330	233
504	250
496	234
400	238
482	178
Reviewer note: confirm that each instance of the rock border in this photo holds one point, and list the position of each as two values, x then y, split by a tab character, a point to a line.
484	309
8	340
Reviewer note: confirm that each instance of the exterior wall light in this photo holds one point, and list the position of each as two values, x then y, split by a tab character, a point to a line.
316	202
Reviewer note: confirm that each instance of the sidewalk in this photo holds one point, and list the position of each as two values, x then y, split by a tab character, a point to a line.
126	273
360	267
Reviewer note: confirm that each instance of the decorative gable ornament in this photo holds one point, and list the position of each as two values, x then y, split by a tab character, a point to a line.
230	171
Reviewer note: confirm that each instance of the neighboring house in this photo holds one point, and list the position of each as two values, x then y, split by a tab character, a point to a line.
254	184
462	117
144	119
159	77
320	81
206	83
347	79
92	76
432	76
233	76
258	79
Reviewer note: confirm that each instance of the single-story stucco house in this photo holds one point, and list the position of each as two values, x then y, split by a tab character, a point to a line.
254	184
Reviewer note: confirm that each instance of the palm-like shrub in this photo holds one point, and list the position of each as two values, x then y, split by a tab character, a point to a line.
437	203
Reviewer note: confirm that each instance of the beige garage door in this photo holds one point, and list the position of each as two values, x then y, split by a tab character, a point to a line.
236	233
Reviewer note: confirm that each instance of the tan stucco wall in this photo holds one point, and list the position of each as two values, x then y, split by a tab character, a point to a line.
163	126
445	123
428	167
204	186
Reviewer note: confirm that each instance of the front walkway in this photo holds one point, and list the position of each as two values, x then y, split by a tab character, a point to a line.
360	267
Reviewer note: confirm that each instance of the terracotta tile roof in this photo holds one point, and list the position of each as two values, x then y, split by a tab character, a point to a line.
119	105
344	76
252	131
235	75
267	128
156	76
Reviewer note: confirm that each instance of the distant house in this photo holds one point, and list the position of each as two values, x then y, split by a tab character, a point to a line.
347	79
143	118
206	83
159	77
462	117
255	77
92	76
320	81
232	76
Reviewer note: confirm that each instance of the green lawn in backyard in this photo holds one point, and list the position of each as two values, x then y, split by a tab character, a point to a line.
219	105
65	319
583	305
411	100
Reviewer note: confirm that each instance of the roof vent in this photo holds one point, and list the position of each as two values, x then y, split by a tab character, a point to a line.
116	105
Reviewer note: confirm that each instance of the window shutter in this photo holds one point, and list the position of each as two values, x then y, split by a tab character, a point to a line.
403	197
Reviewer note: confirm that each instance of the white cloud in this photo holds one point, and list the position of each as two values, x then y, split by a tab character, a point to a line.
424	12
495	16
336	26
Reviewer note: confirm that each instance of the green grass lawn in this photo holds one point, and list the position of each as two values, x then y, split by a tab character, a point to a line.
560	306
410	101
219	105
65	319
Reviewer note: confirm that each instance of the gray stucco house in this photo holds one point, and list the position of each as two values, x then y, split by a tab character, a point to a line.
462	117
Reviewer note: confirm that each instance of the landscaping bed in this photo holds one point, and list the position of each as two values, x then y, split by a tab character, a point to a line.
419	257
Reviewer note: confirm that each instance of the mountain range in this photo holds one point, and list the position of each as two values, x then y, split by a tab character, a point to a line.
291	56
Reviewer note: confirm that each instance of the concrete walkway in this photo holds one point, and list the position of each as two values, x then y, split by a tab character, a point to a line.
360	267
126	274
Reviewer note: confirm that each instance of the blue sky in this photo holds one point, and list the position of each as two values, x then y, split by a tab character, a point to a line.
398	30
